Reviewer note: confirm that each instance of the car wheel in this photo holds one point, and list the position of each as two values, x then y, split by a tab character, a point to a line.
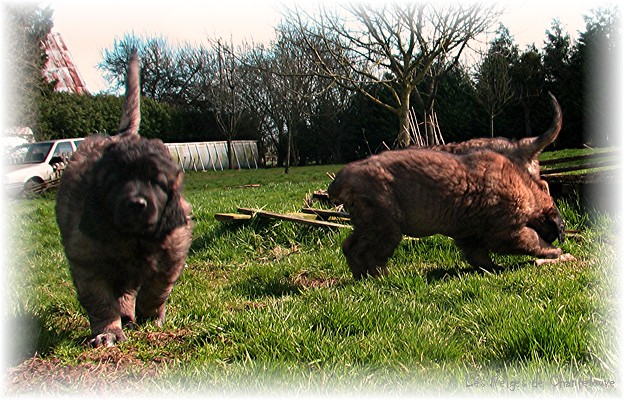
32	186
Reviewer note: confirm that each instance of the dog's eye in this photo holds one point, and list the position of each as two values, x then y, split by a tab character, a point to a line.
162	181
110	181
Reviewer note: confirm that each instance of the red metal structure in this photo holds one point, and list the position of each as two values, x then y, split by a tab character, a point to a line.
61	68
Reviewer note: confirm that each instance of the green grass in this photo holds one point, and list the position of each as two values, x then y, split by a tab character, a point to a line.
571	153
610	155
271	306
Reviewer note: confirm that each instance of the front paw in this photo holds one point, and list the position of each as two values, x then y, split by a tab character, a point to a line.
160	320
561	258
108	338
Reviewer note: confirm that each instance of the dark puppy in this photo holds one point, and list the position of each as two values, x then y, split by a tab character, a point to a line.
481	199
124	224
523	152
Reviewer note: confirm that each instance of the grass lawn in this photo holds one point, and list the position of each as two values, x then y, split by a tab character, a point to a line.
270	307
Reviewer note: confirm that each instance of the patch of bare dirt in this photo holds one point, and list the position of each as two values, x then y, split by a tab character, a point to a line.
111	372
303	279
118	369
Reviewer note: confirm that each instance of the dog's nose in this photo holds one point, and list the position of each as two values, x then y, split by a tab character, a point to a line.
137	204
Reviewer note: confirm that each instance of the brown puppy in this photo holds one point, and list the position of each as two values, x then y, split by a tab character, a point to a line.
523	152
481	199
124	224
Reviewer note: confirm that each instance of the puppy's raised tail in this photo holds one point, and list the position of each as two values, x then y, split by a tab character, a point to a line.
535	145
131	114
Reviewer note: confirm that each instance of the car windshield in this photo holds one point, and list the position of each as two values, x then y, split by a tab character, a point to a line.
33	153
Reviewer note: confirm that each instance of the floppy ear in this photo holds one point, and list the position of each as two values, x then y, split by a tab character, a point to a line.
93	222
173	214
549	225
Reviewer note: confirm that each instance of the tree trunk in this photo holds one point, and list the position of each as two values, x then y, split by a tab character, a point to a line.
430	129
528	130
404	138
230	153
491	125
288	146
336	155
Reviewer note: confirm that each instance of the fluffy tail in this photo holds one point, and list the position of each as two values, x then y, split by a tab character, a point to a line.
535	145
131	114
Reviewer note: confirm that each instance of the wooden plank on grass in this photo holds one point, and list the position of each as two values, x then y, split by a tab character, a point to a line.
231	217
302	215
292	218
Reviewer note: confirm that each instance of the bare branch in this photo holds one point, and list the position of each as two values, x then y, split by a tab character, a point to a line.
394	46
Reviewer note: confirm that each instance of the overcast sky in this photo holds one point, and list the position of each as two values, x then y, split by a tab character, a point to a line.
90	27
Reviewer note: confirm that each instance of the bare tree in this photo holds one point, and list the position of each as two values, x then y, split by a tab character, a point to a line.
493	85
394	46
168	73
262	98
285	90
223	77
329	111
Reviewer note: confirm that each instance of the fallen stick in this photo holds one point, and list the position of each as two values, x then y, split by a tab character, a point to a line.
292	218
324	214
